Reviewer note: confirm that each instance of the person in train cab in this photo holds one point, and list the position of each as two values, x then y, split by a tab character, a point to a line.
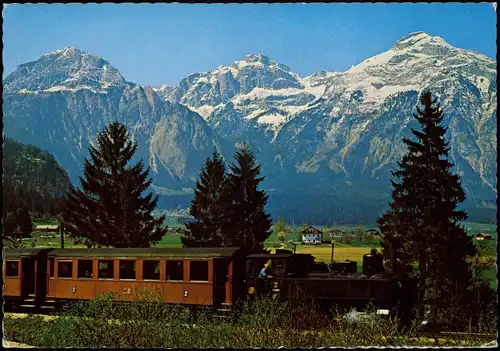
264	272
87	274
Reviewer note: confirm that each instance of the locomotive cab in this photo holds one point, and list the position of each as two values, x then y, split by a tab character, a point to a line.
278	267
283	264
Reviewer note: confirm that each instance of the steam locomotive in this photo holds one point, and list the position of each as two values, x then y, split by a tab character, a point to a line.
219	277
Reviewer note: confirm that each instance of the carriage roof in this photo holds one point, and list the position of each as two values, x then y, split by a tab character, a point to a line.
202	252
24	252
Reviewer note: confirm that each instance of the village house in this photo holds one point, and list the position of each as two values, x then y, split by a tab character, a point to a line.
312	235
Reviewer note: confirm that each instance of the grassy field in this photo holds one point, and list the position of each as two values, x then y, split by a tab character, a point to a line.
174	240
474	228
170	240
353	251
323	252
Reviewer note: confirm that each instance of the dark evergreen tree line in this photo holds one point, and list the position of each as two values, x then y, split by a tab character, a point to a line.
229	207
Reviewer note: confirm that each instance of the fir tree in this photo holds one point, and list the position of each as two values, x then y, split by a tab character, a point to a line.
209	206
110	210
423	221
249	226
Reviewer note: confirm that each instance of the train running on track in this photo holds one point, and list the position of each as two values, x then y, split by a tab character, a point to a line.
218	277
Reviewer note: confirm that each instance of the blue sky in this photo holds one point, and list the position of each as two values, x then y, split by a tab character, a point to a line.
157	44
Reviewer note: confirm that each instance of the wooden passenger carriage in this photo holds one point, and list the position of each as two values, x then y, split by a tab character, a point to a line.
194	276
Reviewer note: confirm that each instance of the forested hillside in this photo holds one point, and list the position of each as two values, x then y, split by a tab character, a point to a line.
31	177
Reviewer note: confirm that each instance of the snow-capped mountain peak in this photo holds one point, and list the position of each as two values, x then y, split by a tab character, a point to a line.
415	62
203	92
420	39
67	69
257	58
66	52
259	61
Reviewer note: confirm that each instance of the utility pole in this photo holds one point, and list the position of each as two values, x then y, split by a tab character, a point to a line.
62	233
333	246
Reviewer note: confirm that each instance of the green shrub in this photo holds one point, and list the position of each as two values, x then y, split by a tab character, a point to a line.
29	330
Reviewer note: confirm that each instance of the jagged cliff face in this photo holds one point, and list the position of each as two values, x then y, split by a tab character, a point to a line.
330	130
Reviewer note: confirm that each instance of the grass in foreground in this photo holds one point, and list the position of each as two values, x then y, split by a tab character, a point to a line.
146	323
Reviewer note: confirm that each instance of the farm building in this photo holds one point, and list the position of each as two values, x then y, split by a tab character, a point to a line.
47	228
336	232
482	236
312	235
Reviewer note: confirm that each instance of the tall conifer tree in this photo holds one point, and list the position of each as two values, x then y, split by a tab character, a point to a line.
110	210
249	224
209	206
423	220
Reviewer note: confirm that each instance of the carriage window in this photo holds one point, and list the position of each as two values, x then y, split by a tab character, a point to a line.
175	270
106	269
85	269
151	270
199	271
65	269
51	268
127	269
12	269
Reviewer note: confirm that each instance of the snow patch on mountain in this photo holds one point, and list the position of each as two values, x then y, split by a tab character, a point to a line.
273	119
204	111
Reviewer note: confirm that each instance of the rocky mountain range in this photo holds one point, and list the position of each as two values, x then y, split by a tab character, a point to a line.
327	142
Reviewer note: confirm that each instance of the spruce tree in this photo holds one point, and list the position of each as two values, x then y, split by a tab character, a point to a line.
249	226
209	206
109	210
423	223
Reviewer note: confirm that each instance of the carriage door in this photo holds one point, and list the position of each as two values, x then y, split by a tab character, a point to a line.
41	278
28	277
221	276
